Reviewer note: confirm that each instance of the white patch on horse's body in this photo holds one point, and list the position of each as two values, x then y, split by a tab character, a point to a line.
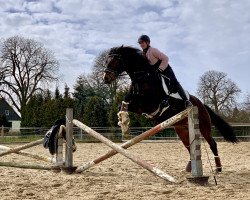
174	95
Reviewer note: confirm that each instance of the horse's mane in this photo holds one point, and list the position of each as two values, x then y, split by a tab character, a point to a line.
122	48
130	51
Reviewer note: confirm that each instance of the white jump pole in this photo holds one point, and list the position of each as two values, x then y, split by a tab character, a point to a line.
178	117
124	152
30	155
22	147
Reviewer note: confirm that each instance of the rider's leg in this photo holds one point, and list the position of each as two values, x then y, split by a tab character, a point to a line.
175	86
183	95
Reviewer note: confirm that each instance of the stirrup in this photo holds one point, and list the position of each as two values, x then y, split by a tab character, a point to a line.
188	103
164	104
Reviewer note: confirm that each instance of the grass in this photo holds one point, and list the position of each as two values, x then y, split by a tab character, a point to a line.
19	139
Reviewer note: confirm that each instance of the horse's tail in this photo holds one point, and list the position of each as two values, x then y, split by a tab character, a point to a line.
224	128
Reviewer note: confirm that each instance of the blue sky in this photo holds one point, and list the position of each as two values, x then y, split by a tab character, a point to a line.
197	35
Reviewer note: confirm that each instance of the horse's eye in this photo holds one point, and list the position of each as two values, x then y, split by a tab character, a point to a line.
108	60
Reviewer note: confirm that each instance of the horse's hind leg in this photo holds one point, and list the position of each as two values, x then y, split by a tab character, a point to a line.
216	156
182	132
213	147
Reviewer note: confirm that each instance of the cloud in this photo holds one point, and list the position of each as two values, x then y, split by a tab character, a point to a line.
38	6
196	35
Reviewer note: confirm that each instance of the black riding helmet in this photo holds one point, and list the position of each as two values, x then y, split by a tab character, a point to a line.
144	38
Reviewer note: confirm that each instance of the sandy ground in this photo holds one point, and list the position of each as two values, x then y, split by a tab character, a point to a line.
120	178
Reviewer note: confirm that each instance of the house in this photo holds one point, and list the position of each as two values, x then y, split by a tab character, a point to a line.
11	115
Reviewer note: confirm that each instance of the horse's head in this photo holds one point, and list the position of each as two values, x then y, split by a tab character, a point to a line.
124	59
114	65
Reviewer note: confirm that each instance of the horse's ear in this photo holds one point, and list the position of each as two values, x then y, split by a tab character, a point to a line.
122	46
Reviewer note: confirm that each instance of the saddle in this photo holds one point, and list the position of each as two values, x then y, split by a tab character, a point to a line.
50	139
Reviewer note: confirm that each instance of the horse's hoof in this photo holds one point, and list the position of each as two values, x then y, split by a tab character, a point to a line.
218	164
188	167
218	169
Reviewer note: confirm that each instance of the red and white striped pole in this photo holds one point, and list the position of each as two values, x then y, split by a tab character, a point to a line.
136	140
124	152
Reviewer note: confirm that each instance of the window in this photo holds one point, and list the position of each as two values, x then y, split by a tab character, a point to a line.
7	112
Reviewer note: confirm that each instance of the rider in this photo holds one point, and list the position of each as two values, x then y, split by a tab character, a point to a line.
160	61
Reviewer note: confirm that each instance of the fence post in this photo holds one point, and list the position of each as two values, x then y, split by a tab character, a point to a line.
69	142
2	131
81	135
195	148
59	153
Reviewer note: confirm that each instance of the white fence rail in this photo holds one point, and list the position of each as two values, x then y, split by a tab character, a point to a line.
242	131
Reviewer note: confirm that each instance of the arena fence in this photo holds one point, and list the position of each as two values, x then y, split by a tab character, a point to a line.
113	133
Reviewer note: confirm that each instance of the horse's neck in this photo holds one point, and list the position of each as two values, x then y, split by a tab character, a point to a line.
136	64
149	91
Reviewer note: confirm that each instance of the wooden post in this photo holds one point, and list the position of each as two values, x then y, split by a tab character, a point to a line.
81	135
69	142
2	131
59	153
195	148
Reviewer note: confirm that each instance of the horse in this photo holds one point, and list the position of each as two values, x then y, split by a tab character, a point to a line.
147	92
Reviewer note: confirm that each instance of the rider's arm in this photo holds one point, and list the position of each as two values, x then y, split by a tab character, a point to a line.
164	59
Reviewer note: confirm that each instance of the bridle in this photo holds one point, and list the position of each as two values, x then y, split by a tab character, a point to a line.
113	72
117	73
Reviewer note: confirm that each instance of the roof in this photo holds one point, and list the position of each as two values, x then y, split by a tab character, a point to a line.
8	111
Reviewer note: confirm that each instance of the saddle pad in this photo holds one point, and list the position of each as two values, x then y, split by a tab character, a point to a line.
174	95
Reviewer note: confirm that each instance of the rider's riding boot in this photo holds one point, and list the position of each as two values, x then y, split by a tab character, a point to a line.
183	95
164	104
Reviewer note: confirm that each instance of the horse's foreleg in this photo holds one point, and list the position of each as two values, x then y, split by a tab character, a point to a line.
123	118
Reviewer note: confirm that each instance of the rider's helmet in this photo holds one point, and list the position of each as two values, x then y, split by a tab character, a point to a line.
144	38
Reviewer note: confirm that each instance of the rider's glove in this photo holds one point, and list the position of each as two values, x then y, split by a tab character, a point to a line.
158	72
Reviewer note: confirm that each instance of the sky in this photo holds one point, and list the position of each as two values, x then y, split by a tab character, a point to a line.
197	35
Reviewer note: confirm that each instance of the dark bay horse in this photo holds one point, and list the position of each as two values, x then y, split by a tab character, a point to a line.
146	94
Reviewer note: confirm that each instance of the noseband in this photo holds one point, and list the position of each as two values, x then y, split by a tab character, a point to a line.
113	72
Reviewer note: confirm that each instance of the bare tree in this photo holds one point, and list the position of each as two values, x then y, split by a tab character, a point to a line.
246	104
93	85
218	91
25	65
97	74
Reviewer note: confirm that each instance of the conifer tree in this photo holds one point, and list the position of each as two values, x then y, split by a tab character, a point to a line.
95	113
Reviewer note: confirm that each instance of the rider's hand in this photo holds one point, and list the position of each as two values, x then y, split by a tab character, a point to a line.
158	72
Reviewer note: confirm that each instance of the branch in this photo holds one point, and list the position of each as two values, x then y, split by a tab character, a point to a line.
11	86
12	100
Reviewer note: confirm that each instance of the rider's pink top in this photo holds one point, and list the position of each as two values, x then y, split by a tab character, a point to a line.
154	55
